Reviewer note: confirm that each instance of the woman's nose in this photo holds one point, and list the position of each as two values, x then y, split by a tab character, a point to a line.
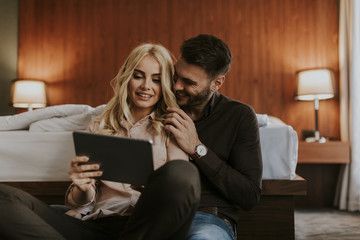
146	84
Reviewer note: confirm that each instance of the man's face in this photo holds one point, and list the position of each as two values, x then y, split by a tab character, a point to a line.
192	85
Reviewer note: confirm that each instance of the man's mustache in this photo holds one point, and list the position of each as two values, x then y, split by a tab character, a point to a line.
181	92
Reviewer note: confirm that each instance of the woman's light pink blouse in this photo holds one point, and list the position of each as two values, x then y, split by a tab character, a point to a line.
113	198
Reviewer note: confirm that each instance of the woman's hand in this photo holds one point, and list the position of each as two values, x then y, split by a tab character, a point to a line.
81	172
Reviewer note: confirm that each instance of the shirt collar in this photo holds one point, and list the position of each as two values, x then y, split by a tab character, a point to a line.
151	115
124	122
210	105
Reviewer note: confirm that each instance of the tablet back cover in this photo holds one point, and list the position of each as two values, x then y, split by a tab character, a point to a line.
124	160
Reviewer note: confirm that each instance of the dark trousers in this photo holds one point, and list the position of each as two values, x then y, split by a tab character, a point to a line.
164	211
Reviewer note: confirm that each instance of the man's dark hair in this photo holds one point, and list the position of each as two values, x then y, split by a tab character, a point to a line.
208	52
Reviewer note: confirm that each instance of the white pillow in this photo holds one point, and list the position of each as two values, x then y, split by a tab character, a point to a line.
69	123
262	119
23	120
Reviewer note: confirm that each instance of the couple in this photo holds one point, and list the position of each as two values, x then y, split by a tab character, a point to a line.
183	199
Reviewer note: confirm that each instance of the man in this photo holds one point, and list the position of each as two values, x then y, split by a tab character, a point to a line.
220	135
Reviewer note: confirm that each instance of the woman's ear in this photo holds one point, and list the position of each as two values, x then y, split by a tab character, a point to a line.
217	83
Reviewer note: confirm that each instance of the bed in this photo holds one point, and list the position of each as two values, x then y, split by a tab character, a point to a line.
36	149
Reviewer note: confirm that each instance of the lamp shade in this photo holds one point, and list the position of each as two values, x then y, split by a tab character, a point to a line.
28	94
315	84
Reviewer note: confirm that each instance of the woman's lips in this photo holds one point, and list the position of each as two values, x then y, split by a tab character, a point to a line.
144	95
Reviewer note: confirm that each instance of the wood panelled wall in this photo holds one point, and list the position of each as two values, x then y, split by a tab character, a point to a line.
77	47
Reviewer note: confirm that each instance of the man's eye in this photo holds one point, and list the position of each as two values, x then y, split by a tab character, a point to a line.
188	82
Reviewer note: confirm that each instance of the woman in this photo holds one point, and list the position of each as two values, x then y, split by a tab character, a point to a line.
137	110
107	210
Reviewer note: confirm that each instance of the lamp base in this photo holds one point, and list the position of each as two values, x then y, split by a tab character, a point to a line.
314	139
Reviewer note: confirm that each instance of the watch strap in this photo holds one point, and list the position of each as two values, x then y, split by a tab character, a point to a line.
196	155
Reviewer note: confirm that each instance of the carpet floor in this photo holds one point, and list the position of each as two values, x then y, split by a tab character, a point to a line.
327	224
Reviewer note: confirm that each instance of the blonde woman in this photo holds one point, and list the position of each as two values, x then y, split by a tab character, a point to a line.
110	210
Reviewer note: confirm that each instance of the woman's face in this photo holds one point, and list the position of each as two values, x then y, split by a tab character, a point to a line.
144	88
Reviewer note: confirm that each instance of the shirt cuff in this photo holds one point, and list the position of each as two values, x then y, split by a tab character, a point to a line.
70	201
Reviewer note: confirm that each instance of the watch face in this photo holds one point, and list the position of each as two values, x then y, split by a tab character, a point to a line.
201	150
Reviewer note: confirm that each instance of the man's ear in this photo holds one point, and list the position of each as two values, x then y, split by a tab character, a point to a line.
217	83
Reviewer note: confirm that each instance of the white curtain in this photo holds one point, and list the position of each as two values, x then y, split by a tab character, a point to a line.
349	63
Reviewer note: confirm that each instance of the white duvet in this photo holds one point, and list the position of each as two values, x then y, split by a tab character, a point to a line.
68	117
42	150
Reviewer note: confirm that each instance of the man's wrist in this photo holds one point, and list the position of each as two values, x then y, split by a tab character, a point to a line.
200	151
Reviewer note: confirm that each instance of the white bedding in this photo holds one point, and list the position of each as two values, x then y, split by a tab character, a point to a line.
67	117
279	148
44	152
35	156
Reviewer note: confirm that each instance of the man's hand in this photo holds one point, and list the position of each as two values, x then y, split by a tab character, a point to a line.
183	129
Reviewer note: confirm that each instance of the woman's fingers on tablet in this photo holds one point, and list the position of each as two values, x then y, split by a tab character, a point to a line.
89	167
89	172
87	175
78	160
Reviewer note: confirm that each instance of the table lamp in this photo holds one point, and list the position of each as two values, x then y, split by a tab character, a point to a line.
28	94
315	85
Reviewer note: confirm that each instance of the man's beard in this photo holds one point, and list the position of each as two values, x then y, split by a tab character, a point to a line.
198	99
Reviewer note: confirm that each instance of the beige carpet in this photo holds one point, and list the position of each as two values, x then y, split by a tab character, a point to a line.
327	224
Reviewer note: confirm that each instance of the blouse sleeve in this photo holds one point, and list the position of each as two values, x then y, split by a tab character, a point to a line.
69	199
174	152
81	208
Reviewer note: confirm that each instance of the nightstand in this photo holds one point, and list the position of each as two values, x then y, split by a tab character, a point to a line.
320	164
329	152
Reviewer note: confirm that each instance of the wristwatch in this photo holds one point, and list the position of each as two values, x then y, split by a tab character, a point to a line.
200	151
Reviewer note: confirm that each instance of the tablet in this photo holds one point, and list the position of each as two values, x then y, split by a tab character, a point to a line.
121	159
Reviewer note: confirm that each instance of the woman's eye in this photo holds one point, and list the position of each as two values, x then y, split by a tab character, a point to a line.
157	80
137	76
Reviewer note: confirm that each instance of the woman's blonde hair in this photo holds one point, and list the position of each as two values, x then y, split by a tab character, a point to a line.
119	106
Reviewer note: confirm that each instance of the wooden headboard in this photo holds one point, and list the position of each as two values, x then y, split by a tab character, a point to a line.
77	47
